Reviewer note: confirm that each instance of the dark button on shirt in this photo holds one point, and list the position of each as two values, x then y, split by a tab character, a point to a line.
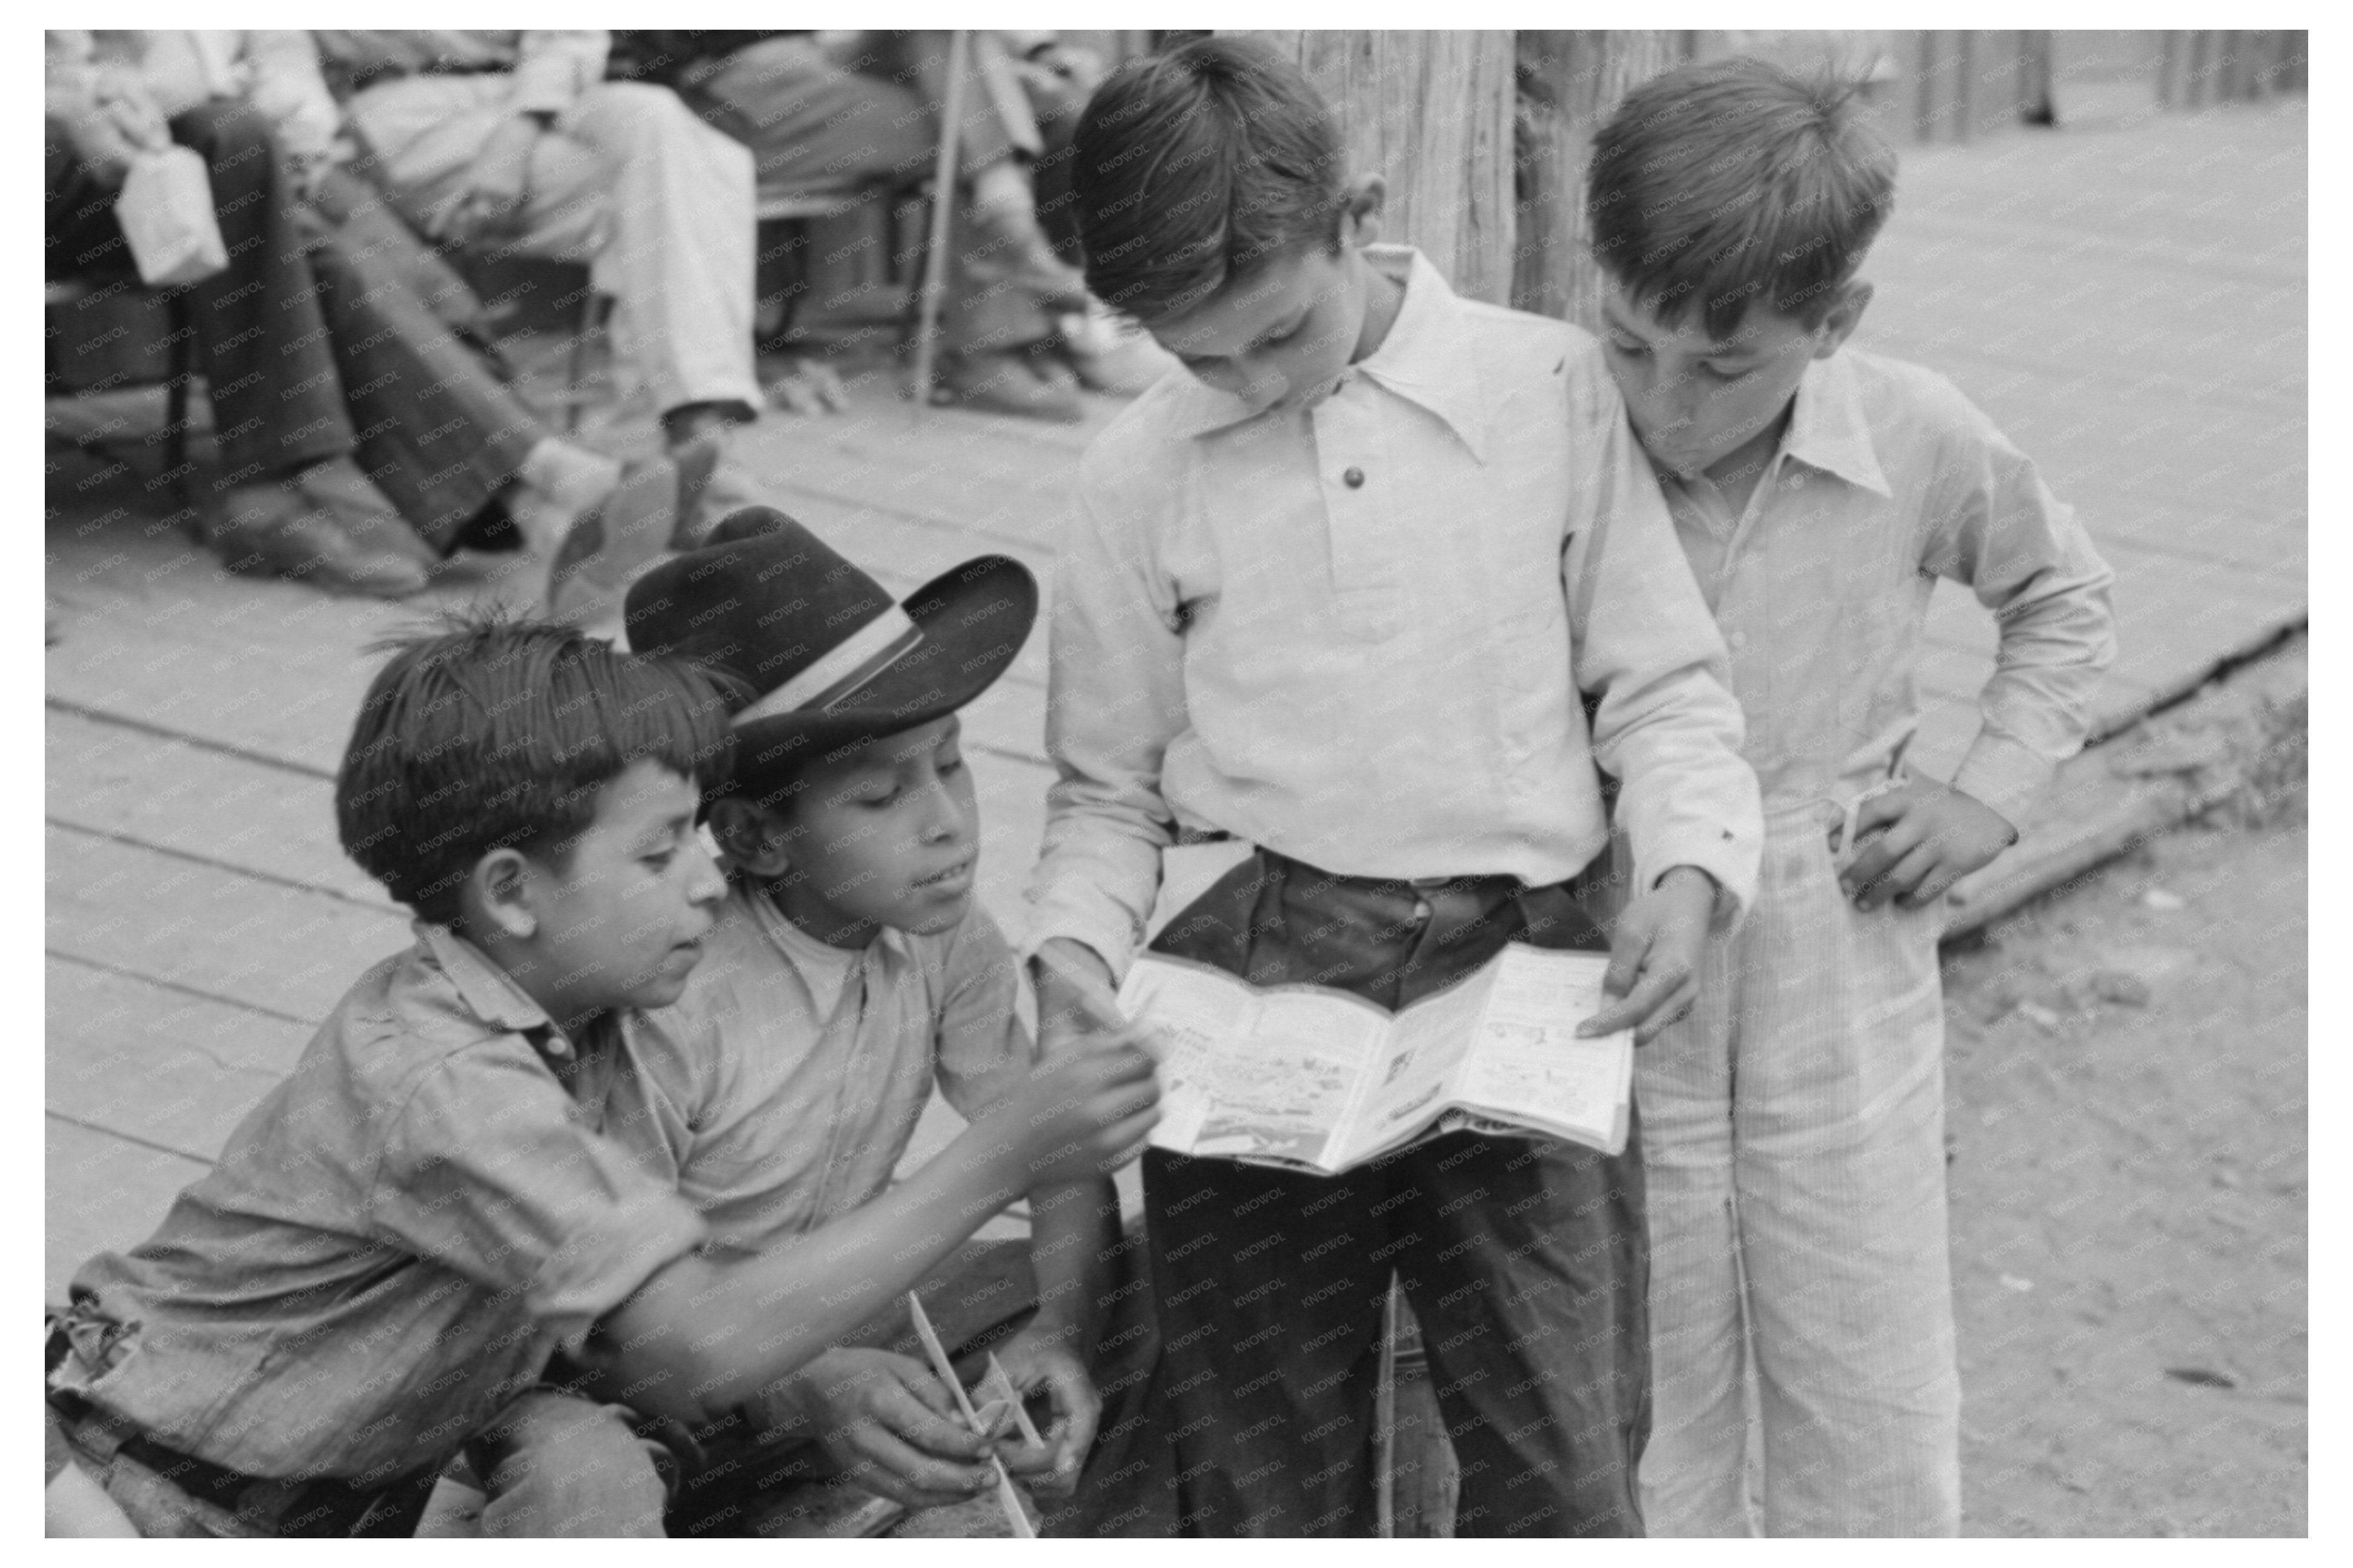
1354	478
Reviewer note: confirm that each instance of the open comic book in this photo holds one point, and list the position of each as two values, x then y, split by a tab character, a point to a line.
1312	1078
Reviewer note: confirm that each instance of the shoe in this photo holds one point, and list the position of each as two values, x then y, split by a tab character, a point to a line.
712	482
1009	384
1012	250
261	530
623	533
1035	271
351	501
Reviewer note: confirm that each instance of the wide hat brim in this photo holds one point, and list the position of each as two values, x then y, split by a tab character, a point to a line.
974	619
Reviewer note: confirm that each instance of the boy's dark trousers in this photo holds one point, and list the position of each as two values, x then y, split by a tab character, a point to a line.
1524	1262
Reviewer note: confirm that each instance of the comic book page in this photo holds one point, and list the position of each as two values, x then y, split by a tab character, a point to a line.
1526	1062
1415	1070
1247	1074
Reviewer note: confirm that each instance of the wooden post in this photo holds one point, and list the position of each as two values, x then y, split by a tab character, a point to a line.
1430	112
943	202
1569	82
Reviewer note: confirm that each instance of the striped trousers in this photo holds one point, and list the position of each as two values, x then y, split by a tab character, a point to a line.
1793	1131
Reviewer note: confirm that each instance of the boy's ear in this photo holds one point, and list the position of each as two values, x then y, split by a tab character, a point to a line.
751	836
499	898
1360	216
1845	315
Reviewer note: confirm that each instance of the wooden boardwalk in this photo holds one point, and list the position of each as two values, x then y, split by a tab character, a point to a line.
2127	301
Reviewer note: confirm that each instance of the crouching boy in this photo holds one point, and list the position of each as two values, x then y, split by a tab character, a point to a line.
469	1167
1335	591
852	968
1795	1124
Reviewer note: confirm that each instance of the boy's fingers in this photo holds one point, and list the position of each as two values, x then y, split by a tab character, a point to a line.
1674	1010
1640	1002
1882	852
1903	876
912	1477
1626	955
1933	886
1883	808
914	1422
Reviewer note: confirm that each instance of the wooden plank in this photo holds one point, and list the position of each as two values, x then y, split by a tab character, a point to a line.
216	932
1432	113
104	1193
120	781
162	1066
1569	82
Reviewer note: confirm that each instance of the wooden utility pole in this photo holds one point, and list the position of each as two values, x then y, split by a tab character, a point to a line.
1430	112
1568	83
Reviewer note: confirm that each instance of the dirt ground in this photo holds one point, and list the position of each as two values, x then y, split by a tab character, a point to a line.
2128	1135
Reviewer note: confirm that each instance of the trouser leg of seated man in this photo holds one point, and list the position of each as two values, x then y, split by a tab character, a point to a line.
812	124
435	429
287	499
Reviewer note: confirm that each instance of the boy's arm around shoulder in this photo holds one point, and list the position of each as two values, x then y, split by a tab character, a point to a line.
1643	642
1116	700
1994	526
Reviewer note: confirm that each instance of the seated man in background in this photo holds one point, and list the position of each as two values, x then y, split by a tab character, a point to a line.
287	499
465	460
821	113
512	142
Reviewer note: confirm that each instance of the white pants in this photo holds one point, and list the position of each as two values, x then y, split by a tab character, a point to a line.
1793	1129
629	182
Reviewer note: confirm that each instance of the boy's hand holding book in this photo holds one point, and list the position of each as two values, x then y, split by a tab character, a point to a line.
1654	955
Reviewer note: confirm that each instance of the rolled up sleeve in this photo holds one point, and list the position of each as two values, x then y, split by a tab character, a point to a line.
488	1171
1115	701
984	1049
1667	726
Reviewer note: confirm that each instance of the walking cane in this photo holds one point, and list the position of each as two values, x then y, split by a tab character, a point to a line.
936	256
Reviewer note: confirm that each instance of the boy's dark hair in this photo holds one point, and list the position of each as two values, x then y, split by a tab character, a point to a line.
493	734
1191	167
1720	184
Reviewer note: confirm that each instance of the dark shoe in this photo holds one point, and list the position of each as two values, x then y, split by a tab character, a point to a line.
350	500
306	546
1009	384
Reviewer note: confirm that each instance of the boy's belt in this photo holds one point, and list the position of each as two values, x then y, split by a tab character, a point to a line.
325	1506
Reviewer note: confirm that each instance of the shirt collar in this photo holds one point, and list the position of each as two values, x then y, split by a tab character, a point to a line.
1420	360
1828	429
486	989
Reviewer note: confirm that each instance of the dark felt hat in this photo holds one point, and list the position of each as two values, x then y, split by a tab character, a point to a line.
823	654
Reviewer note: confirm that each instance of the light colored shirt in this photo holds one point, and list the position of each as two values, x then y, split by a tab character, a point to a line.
1357	634
1887	478
803	1106
443	1191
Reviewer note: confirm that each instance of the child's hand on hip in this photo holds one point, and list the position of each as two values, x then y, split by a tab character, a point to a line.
1913	843
1654	957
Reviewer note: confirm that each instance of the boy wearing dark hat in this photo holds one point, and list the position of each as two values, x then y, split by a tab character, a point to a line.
474	1167
851	967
